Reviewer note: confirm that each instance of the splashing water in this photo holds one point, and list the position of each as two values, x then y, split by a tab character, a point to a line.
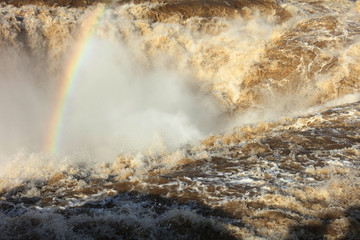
212	119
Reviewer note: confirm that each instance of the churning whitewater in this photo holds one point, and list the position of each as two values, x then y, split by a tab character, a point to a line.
180	119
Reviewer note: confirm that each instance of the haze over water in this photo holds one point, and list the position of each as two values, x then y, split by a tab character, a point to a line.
180	119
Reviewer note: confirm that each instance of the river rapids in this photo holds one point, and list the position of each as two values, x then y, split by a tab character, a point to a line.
185	119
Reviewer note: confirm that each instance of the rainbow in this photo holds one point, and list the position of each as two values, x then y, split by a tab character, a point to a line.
68	80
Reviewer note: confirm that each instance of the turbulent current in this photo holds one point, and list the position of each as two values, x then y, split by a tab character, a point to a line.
180	119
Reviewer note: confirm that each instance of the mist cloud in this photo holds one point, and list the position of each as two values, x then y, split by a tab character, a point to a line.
117	104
